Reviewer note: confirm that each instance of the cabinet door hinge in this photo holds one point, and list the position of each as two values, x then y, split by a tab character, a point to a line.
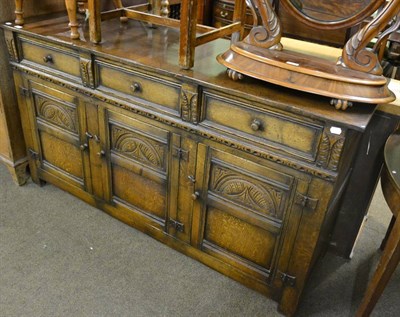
34	155
306	201
176	225
287	279
24	91
180	153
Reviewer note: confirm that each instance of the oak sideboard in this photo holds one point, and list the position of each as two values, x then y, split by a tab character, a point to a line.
245	177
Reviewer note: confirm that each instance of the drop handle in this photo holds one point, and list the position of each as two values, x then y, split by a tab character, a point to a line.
192	179
255	125
101	153
48	59
136	87
84	146
195	195
223	14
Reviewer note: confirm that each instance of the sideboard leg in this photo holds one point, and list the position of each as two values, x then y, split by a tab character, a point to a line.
19	173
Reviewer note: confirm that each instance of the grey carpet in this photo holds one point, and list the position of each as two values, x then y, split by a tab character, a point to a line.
62	257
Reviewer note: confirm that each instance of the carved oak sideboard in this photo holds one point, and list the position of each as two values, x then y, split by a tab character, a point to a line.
244	177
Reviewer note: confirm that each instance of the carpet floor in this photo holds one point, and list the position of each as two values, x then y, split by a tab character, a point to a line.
62	257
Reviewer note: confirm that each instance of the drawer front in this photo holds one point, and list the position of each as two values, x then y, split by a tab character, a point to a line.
223	11
264	128
156	91
54	57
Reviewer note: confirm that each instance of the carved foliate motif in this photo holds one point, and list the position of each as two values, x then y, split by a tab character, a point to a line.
189	106
246	191
137	147
12	50
330	150
60	115
87	73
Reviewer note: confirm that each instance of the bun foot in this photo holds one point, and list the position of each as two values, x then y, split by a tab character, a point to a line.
341	104
234	75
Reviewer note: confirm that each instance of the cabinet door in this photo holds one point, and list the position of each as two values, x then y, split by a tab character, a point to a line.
143	176
53	120
243	212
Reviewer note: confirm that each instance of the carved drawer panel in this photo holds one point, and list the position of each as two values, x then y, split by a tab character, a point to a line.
56	58
160	93
262	127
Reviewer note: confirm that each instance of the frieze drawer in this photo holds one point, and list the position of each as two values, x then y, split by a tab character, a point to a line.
262	127
144	88
56	58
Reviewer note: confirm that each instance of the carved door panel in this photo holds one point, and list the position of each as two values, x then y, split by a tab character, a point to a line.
243	212
55	119
143	169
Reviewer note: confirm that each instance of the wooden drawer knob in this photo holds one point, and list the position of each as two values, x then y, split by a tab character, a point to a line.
48	59
136	87
255	125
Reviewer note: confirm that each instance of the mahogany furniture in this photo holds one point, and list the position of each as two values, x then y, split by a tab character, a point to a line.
390	181
291	27
244	177
355	77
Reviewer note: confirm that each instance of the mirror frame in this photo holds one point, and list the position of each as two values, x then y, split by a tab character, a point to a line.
331	25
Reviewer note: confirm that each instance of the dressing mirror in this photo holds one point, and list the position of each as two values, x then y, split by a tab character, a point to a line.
331	14
356	76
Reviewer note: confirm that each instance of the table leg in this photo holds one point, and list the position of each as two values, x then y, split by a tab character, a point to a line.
118	5
19	12
387	265
94	20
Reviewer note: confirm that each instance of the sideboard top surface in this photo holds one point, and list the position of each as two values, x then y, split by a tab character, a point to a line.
156	48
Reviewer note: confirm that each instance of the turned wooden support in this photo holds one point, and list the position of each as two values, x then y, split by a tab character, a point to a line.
164	11
118	5
73	22
94	20
19	12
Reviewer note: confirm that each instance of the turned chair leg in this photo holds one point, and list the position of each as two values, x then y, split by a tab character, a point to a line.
118	5
73	22
19	12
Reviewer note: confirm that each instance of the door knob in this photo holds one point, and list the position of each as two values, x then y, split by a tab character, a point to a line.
101	153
